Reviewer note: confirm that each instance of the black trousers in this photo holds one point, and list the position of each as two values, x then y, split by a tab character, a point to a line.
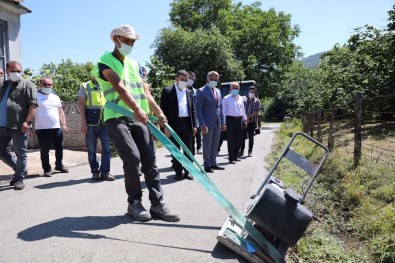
198	140
234	133
47	138
250	131
185	132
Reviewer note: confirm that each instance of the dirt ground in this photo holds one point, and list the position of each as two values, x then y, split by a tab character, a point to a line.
70	158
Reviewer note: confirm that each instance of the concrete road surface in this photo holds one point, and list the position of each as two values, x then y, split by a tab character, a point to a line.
69	218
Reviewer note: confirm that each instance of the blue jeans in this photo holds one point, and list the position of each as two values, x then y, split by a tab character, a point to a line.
19	140
94	133
46	138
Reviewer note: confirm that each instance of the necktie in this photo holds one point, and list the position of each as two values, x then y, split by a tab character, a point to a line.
215	96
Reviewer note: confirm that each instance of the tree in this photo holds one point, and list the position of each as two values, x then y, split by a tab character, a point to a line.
199	51
240	42
67	77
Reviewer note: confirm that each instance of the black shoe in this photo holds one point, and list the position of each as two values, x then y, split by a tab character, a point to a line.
238	160
232	162
178	177
95	176
216	167
162	212
107	177
12	182
249	153
188	176
208	170
241	153
47	174
19	185
62	169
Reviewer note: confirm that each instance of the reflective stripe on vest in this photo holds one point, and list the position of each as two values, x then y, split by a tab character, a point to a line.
128	72
93	104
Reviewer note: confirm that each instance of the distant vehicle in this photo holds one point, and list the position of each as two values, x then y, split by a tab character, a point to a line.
244	87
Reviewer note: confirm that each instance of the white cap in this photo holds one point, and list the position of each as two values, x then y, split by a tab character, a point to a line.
125	31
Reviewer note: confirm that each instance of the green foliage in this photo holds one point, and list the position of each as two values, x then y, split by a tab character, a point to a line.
159	76
354	206
301	89
67	78
320	246
199	51
240	42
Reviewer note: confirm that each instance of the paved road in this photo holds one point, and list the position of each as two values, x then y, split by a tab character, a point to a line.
69	218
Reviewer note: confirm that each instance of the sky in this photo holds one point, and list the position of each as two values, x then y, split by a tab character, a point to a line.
80	30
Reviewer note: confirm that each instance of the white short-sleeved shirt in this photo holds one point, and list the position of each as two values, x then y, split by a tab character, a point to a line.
47	114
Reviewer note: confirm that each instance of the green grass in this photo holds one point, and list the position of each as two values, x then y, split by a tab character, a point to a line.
354	207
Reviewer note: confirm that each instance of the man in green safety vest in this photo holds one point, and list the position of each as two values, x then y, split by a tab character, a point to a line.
120	81
91	102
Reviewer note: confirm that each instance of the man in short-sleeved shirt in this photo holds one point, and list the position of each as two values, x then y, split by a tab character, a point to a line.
18	102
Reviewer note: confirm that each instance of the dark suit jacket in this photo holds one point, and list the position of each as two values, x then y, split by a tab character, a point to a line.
208	112
169	106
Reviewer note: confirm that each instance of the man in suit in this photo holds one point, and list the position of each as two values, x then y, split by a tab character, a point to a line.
177	104
210	117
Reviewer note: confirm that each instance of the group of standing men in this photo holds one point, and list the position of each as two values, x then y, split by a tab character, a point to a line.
117	79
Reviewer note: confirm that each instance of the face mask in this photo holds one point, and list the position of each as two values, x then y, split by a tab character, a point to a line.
190	83
235	92
124	49
46	90
1	80
251	95
182	84
15	76
212	84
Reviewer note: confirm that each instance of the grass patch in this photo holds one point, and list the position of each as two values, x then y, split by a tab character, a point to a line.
354	208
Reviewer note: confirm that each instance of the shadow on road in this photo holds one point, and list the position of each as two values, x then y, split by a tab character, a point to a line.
76	227
72	182
222	252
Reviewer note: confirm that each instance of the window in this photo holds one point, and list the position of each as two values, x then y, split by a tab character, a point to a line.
3	44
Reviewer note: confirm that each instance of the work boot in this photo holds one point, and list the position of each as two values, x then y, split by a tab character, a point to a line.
164	213
107	177
61	169
138	212
95	176
19	185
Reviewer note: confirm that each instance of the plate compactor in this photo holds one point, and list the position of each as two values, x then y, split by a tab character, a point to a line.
275	211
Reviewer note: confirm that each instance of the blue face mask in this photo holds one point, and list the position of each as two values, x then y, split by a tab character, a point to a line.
235	92
46	90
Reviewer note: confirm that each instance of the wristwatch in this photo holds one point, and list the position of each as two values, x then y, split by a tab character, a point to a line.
29	122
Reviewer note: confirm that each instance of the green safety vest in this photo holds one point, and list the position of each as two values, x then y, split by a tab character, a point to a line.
94	103
128	72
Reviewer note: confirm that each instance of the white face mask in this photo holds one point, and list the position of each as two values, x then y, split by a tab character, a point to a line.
46	90
15	76
251	95
212	84
124	49
1	80
190	83
182	84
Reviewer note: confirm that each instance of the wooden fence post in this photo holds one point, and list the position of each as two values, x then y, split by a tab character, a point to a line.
358	129
311	121
331	135
319	128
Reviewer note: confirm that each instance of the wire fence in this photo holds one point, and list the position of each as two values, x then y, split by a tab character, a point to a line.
359	131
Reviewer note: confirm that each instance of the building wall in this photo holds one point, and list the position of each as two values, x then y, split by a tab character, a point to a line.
74	138
14	39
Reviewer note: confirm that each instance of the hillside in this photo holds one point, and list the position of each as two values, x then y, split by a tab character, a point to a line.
313	60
